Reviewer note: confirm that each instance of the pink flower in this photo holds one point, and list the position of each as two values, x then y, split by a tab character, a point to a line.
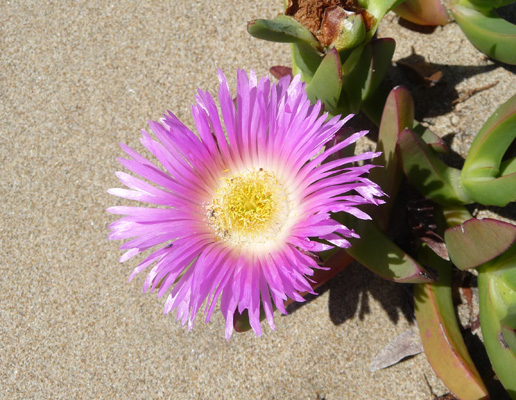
245	201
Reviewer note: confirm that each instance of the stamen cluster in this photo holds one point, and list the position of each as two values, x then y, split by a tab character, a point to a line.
249	207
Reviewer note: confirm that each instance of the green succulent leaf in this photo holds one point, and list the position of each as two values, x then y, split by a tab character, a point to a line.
306	49
455	215
487	31
355	69
364	70
378	9
375	251
382	52
305	61
440	332
508	167
485	4
492	192
434	179
478	241
492	141
508	325
484	177
326	83
283	29
497	300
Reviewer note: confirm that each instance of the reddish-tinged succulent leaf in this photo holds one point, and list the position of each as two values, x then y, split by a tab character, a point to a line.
478	241
423	12
398	114
279	71
440	333
305	61
431	139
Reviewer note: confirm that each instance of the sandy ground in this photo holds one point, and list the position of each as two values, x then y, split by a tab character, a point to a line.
78	78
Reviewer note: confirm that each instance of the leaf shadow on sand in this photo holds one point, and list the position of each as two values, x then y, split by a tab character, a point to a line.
350	293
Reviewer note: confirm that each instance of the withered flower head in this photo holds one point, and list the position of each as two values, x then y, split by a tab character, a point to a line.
335	23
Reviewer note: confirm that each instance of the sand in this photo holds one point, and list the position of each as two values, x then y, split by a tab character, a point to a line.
77	78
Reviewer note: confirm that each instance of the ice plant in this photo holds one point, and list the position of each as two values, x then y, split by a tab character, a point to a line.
244	203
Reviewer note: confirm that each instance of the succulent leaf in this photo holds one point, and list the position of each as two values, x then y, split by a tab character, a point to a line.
427	172
398	114
492	192
485	4
492	141
306	49
508	167
305	61
488	32
455	215
484	177
508	325
283	29
424	12
382	52
326	83
375	251
476	241
378	9
440	332
364	69
430	138
497	300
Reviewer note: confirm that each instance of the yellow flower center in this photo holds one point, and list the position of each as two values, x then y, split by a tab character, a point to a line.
250	207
